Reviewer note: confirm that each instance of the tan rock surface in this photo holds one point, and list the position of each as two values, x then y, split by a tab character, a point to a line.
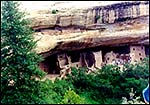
76	26
84	15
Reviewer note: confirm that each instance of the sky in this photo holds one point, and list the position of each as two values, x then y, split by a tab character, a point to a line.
40	5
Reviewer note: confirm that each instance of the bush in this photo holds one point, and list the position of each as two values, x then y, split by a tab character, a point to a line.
24	94
135	76
47	93
87	96
138	70
110	83
61	86
52	93
71	97
54	11
79	79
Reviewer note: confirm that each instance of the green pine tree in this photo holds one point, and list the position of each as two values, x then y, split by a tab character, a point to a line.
19	62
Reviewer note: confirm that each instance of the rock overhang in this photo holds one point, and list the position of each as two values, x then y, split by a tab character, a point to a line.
119	23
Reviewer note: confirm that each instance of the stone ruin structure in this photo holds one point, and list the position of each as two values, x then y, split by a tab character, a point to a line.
93	36
95	59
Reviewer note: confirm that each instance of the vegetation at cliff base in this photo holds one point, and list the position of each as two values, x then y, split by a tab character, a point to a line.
108	85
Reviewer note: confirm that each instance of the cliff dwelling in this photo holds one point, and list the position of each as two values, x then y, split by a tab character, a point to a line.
94	58
92	36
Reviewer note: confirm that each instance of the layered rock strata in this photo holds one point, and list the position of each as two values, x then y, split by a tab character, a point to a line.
75	29
88	27
61	30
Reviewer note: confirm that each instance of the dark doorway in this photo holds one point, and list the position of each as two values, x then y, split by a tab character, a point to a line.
50	66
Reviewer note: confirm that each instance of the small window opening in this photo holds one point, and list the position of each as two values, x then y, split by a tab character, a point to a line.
142	47
108	58
77	65
60	56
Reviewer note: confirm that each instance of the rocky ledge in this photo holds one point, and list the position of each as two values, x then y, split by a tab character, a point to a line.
67	29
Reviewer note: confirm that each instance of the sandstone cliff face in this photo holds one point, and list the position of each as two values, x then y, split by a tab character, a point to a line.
89	16
101	25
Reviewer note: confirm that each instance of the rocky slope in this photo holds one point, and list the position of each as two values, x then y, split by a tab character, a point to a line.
59	28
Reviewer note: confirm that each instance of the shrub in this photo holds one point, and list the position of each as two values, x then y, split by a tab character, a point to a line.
52	93
136	77
87	96
138	70
61	86
54	11
46	93
71	97
100	85
110	83
79	79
